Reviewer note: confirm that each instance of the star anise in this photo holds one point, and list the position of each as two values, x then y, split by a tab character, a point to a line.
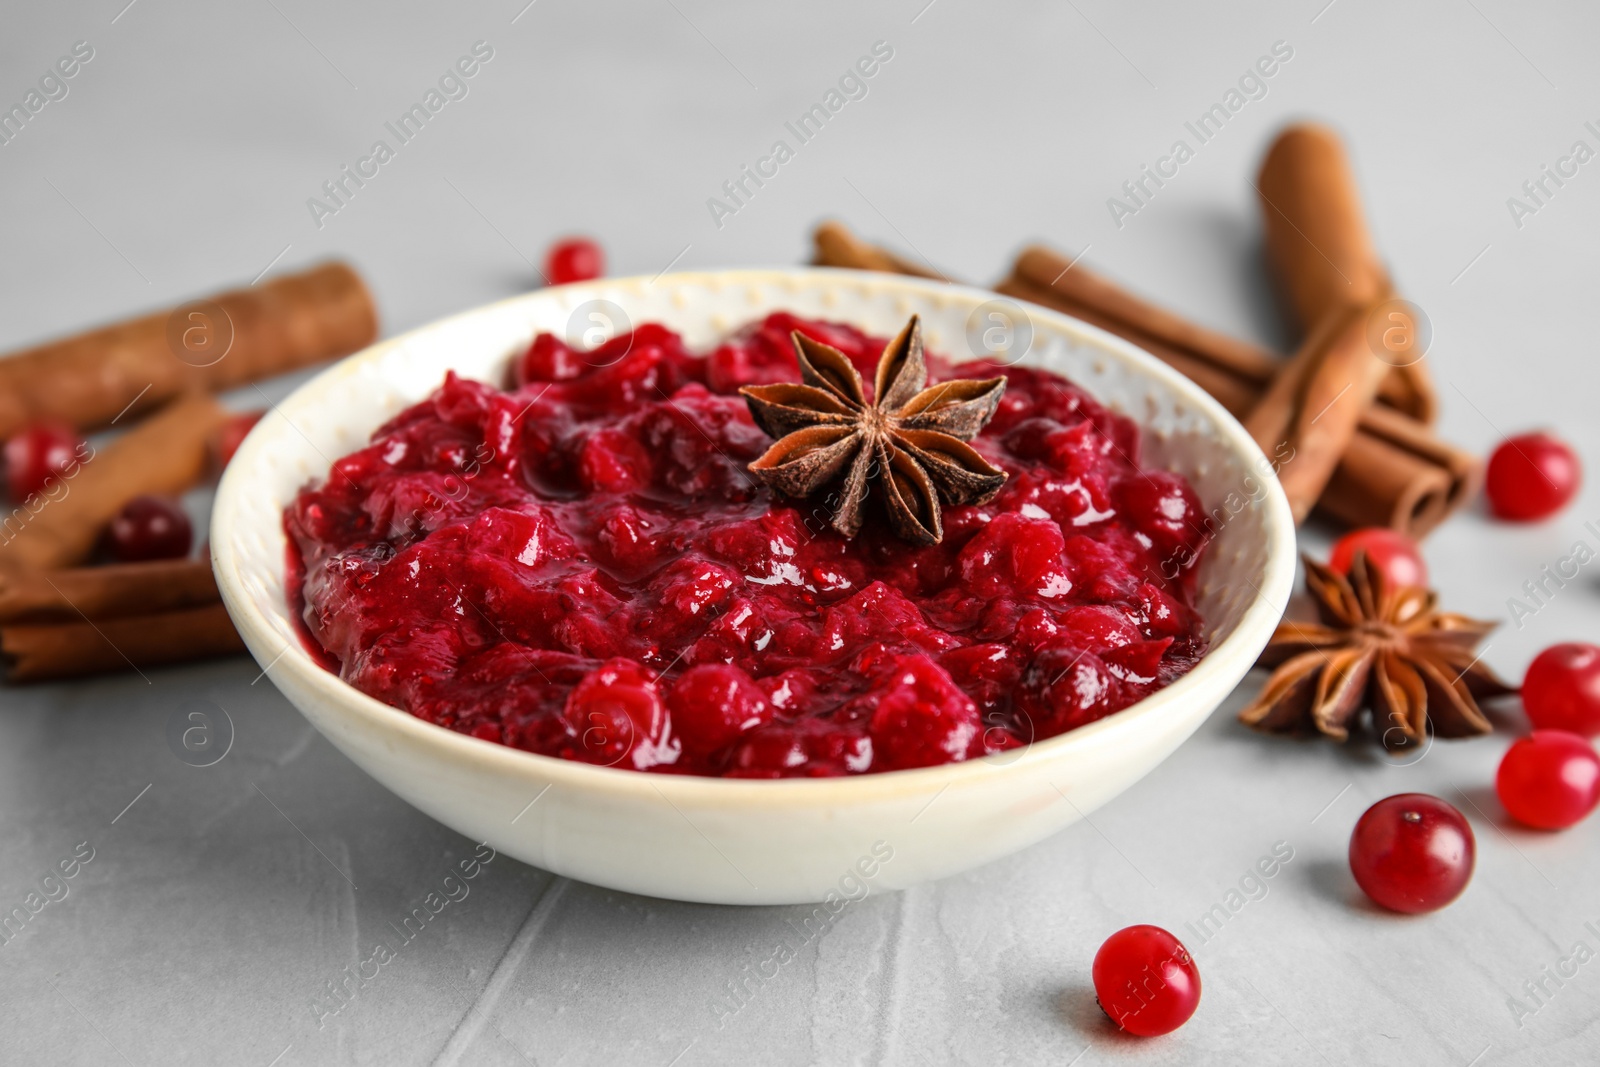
911	440
1388	649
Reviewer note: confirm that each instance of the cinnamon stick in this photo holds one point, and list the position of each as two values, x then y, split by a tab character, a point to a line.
1046	269
105	592
1322	251
1464	468
1072	282
235	338
1380	484
1316	233
164	454
1315	404
1236	392
50	650
838	247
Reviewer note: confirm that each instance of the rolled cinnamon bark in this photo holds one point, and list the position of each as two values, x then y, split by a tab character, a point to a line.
1236	393
1316	232
1046	269
1379	484
836	246
1403	437
105	592
1315	404
43	651
234	338
1049	270
164	454
1318	242
1272	417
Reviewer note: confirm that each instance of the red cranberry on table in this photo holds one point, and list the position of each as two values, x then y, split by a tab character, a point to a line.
150	527
1561	690
576	259
1146	981
1531	476
1393	553
1412	853
38	454
1549	780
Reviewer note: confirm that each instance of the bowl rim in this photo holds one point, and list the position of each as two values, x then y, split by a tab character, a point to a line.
1246	640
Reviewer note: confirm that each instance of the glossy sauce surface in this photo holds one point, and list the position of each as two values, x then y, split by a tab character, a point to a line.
581	566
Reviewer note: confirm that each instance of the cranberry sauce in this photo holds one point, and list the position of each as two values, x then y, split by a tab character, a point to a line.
582	567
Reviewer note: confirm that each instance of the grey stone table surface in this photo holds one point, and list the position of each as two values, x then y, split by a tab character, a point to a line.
215	910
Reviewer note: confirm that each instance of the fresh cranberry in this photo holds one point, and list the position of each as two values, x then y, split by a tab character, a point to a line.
1146	981
1561	690
576	259
1549	780
231	435
1412	853
150	527
1393	553
1531	477
712	705
39	454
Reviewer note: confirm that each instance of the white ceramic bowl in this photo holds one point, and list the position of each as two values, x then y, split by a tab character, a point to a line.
724	840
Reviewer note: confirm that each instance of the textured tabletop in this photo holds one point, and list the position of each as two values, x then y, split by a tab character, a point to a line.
230	913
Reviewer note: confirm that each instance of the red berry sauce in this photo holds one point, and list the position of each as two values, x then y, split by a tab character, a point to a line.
582	567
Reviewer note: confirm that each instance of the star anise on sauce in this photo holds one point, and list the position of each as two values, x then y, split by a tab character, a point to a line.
910	441
1389	649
